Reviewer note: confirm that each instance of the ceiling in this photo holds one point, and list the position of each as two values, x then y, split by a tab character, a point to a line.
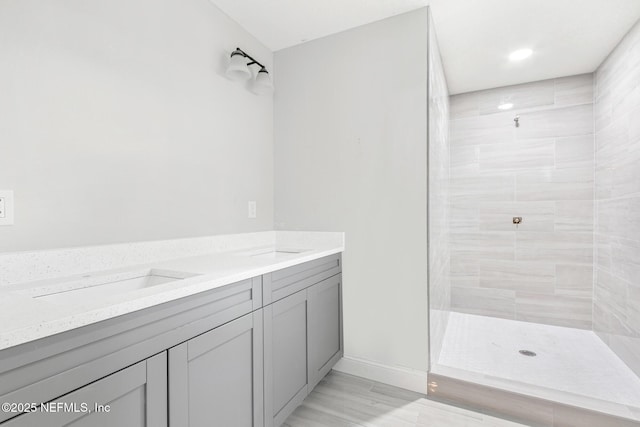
475	36
279	24
568	37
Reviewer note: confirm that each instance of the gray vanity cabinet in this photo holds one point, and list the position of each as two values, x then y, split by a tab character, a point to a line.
215	379
324	329
302	342
285	357
241	355
133	397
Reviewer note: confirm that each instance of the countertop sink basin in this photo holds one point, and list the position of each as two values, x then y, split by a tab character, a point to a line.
90	287
273	253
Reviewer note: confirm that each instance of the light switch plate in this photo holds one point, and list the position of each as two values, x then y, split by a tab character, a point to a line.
6	207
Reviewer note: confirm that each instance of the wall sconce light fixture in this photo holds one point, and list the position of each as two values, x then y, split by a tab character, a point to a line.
238	70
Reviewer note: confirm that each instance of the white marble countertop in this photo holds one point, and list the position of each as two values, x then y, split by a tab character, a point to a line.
231	259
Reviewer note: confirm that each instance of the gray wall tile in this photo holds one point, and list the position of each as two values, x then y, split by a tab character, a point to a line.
559	184
574	215
574	278
542	172
464	105
575	151
552	309
617	178
557	122
484	301
536	277
572	247
523	96
498	216
527	154
574	90
501	188
490	129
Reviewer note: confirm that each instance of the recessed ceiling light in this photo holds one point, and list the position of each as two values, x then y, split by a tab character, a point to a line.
520	54
505	106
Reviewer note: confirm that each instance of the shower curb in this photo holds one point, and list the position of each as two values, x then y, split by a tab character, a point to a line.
532	411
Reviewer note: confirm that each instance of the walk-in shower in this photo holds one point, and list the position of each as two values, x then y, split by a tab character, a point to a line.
534	263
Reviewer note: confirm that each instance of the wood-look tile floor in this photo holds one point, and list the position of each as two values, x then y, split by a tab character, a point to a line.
346	401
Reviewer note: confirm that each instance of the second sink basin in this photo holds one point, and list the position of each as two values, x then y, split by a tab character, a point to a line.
271	252
90	287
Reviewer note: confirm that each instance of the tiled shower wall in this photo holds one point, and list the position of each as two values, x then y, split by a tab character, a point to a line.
439	254
541	270
617	285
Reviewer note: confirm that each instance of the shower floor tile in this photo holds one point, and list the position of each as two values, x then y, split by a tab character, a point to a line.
569	360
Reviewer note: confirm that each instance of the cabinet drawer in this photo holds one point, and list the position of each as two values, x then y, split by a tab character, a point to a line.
285	282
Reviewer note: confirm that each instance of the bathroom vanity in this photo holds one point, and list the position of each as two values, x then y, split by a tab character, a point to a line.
242	353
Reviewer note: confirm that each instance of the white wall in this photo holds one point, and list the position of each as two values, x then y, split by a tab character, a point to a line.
350	155
117	123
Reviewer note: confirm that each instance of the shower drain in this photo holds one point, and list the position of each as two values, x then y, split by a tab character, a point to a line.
527	353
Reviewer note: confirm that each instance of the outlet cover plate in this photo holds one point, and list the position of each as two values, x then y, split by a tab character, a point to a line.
252	209
6	207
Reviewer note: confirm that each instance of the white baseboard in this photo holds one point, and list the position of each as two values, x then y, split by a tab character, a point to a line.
408	379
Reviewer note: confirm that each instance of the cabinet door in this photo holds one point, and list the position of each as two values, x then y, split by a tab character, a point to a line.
285	357
134	397
215	379
325	327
